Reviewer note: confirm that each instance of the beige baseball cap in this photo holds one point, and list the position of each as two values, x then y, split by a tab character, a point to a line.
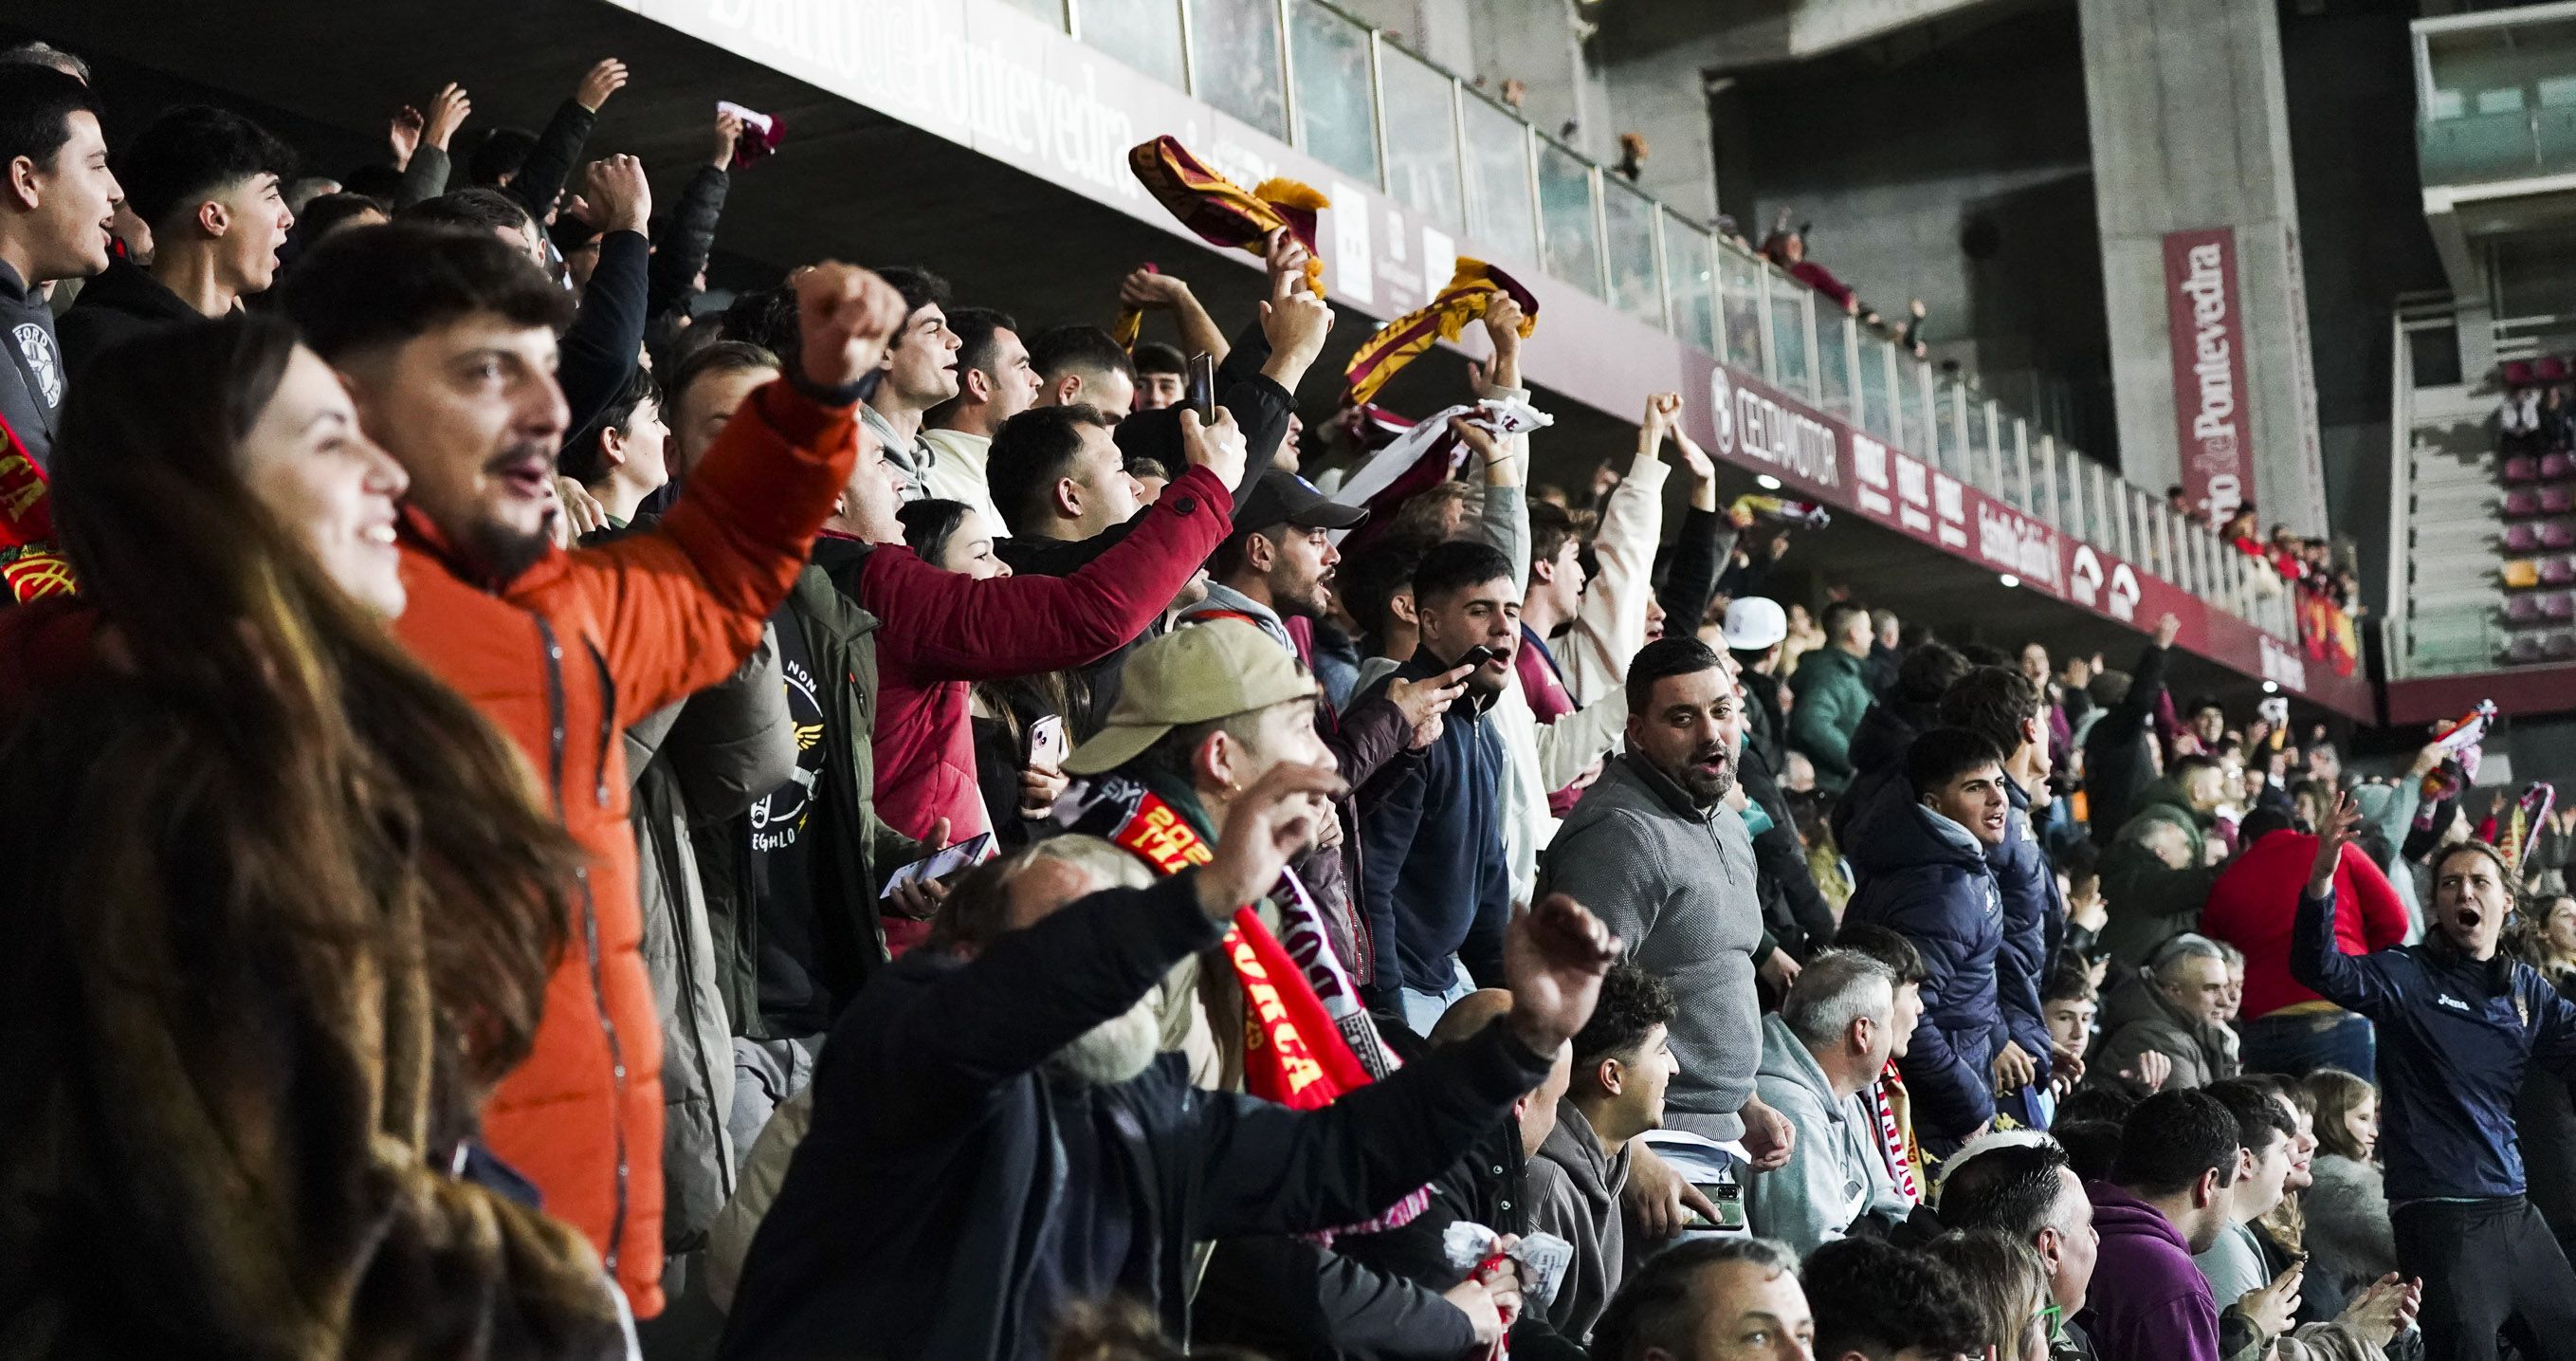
1196	673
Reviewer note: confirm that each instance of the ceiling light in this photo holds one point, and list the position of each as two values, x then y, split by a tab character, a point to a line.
2009	580
1767	482
2271	688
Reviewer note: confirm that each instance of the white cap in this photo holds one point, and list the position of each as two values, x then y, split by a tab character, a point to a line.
1754	623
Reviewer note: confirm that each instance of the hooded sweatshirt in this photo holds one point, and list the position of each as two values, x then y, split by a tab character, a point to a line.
1839	1173
31	379
2147	1302
125	302
1925	877
1574	1194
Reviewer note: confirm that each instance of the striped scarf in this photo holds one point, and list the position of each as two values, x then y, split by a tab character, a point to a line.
1222	212
1401	341
1896	1131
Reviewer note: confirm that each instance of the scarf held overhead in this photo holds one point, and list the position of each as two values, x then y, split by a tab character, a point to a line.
1222	212
1401	341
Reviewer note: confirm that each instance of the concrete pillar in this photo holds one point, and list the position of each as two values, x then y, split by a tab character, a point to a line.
2190	134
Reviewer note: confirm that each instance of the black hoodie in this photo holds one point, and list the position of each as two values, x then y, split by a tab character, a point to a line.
124	302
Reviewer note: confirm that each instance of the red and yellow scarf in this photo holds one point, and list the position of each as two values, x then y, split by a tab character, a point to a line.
1222	212
1405	339
29	562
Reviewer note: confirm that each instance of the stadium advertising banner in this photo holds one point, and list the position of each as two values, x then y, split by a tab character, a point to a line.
2207	325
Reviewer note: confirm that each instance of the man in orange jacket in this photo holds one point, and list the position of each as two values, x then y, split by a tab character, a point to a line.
446	340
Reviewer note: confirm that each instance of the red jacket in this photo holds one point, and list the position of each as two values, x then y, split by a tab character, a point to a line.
943	630
563	658
2251	905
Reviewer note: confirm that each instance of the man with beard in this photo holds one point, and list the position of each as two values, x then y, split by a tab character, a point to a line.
994	1137
1660	844
1434	879
446	340
2458	1024
1278	565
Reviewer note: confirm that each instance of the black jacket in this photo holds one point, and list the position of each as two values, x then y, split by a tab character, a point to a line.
126	301
550	162
909	1219
688	237
598	350
1794	910
2116	764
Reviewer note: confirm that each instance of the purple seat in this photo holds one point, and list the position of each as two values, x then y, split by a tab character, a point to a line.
2522	610
2550	369
2558	607
2558	571
2558	499
2556	466
2517	373
2557	534
2522	537
2524	649
2522	501
2521	468
2559	646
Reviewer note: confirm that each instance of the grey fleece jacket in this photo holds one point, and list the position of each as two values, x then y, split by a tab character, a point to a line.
31	366
1838	1174
1677	883
1574	1193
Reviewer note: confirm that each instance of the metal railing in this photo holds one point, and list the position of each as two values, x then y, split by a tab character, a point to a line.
1354	98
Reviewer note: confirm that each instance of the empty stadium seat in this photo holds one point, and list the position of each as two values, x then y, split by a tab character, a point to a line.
2556	466
2558	571
2522	501
2521	538
2559	646
2522	611
2557	499
2550	368
2521	468
2521	573
2524	649
2557	534
2517	373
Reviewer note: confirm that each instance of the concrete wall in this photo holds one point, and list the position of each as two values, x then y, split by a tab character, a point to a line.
1961	175
2190	130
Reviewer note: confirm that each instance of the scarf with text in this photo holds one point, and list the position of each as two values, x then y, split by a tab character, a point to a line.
1307	1039
1896	1131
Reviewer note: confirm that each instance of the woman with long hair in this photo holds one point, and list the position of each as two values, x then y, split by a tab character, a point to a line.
282	906
2348	1235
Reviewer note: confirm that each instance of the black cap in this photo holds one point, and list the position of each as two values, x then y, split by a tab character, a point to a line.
1287	499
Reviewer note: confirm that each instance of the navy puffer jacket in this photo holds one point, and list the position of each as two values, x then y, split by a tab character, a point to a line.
1925	877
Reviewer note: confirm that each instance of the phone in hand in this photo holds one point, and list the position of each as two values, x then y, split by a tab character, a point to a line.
1479	655
1201	394
1047	745
944	863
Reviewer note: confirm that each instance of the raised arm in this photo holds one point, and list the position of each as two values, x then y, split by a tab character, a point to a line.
2356	983
681	606
953	627
1611	624
549	164
1265	1168
1503	520
1149	290
599	349
690	236
1029	993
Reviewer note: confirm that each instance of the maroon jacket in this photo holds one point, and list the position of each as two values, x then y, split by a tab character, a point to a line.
943	630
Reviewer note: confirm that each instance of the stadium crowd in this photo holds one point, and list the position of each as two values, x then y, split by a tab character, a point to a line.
559	821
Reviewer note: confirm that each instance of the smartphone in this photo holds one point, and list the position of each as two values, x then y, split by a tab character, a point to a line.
1728	1197
1046	742
1479	655
1202	388
943	863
